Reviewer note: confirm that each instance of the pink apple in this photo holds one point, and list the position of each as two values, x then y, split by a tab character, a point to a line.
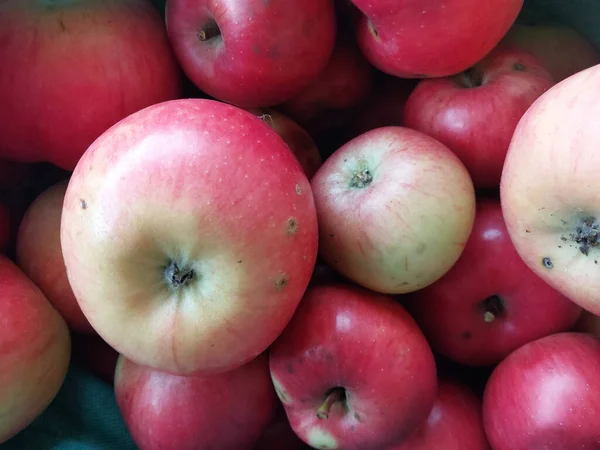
251	53
431	38
70	69
454	423
546	395
353	369
561	49
192	221
549	188
489	303
228	411
395	209
39	255
34	351
94	355
5	228
475	113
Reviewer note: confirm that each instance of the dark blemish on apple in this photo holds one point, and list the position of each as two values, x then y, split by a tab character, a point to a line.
290	368
527	231
547	262
519	67
239	261
63	27
298	189
212	345
357	417
291	226
83	203
281	281
373	30
586	234
466	335
332	235
563	238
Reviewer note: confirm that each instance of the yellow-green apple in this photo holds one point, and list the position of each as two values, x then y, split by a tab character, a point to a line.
454	423
226	411
562	50
395	209
353	370
72	68
184	226
431	38
489	303
251	53
39	255
475	113
546	395
35	349
549	188
5	233
94	355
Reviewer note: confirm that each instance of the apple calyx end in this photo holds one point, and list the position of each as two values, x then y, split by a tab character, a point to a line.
361	177
493	307
178	276
337	394
586	234
209	30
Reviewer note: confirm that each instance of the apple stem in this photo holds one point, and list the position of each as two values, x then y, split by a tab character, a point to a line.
209	31
333	396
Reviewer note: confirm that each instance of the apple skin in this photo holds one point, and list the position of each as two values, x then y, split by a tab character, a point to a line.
367	346
395	209
226	411
475	113
251	53
35	349
454	423
562	50
489	303
5	228
546	395
549	190
39	255
85	63
182	204
431	38
95	355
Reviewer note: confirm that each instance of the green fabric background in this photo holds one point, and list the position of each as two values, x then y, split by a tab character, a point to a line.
84	415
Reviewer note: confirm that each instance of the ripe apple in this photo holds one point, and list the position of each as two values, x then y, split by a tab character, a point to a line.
475	113
454	423
489	303
34	351
184	226
226	411
395	209
546	395
353	369
5	228
549	188
251	53
95	355
431	38
70	69
561	49
39	255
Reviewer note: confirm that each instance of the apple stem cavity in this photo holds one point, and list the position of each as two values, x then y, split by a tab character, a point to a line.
209	31
494	307
177	276
333	396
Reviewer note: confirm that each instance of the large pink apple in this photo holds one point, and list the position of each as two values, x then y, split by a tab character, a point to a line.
72	68
431	38
189	234
34	351
226	411
549	188
251	53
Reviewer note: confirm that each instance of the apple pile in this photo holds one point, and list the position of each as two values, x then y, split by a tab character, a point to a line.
268	224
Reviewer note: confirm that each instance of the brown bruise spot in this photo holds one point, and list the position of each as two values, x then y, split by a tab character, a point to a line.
282	281
291	226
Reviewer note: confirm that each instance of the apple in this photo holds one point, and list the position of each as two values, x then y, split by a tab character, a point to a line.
295	136
72	68
184	226
35	351
475	113
39	255
94	355
489	303
353	369
280	435
5	228
454	423
561	49
546	395
429	38
395	209
226	411
251	53
549	188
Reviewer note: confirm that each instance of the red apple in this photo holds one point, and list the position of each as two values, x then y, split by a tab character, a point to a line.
475	113
489	303
34	351
70	69
395	209
192	221
39	255
5	228
251	53
228	411
561	49
95	355
546	395
353	369
454	423
550	191
431	38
